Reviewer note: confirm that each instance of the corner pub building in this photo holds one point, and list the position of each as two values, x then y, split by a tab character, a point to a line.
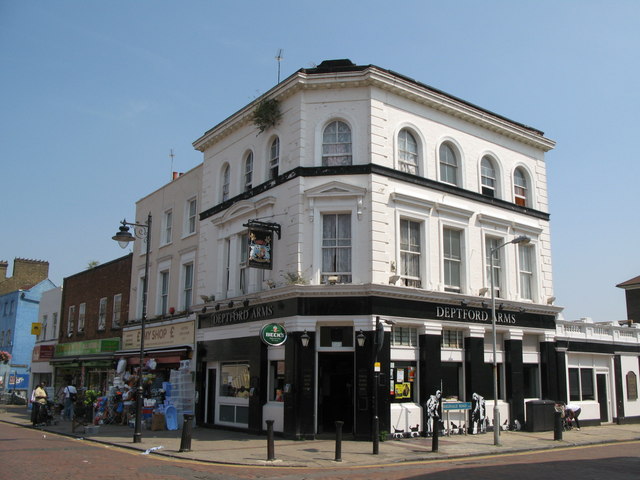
351	196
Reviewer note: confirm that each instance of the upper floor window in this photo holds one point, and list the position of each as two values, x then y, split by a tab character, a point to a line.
43	329
336	144
55	323
117	311
248	172
226	180
274	158
488	176
82	312
448	165
192	212
187	291
336	247
520	188
410	253
2	339
404	336
407	152
71	320
452	338
102	314
164	293
452	255
526	271
243	267
491	244
167	227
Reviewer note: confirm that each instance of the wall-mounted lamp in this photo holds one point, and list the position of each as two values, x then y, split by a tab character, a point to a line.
217	307
484	304
332	279
464	302
230	304
360	338
204	310
304	338
522	309
483	291
501	306
245	302
550	300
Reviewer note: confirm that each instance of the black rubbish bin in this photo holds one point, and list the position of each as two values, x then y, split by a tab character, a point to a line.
540	415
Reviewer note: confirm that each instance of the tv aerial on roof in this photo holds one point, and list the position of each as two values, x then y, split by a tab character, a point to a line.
279	58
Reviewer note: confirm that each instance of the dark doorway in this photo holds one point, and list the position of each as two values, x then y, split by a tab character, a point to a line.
211	396
335	391
601	380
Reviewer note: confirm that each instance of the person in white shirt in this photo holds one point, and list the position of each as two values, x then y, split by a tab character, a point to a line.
70	393
572	412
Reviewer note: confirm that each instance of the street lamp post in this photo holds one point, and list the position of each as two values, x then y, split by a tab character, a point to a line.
123	237
522	240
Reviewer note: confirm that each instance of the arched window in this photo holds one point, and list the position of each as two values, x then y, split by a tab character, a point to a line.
336	144
407	152
274	158
248	171
225	183
488	176
448	165
520	188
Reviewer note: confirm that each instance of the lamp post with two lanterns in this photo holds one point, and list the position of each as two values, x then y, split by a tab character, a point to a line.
124	237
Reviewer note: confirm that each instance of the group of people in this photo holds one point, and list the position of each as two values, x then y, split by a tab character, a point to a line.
40	399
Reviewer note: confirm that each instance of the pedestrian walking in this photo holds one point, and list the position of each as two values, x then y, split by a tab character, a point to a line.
70	395
39	400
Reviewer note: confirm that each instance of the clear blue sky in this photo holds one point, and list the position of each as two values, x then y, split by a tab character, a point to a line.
95	94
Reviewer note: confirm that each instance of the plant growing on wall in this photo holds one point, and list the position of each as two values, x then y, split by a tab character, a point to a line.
267	114
294	278
4	356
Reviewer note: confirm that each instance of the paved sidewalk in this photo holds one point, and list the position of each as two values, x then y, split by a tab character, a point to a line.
220	446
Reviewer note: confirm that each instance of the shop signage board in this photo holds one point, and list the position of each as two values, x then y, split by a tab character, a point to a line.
20	380
87	347
161	336
456	406
273	334
43	353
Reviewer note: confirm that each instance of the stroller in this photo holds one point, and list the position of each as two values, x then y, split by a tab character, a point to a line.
46	414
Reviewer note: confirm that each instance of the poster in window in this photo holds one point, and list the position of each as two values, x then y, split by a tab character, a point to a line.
403	390
260	243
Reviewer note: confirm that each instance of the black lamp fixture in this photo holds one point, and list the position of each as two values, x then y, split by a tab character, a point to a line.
217	307
230	304
304	338
245	302
360	338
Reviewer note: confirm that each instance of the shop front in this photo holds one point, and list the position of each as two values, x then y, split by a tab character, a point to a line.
333	365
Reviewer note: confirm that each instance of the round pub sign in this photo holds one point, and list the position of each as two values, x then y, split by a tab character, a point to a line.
273	334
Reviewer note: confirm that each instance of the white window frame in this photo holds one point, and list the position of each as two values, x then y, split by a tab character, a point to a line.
492	241
102	315
187	285
164	288
191	216
527	277
521	189
117	311
347	156
274	158
459	261
167	227
225	183
43	329
243	264
343	277
486	178
82	310
71	320
408	161
248	172
409	280
445	165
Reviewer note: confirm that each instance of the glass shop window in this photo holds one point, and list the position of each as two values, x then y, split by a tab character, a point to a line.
234	380
276	381
336	337
402	385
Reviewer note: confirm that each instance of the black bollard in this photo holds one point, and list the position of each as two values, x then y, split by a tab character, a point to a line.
270	446
185	441
434	438
557	425
339	425
376	435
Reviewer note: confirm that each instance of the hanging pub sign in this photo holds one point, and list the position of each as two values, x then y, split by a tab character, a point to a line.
261	243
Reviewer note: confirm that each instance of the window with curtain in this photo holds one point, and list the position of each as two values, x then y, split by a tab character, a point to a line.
102	314
81	316
226	179
520	188
187	291
248	172
336	144
526	271
410	253
71	320
164	293
488	177
117	307
491	244
274	158
452	254
336	247
407	152
448	165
